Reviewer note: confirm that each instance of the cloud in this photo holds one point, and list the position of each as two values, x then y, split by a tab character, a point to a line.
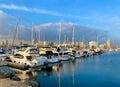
40	11
4	19
5	27
8	26
24	8
49	31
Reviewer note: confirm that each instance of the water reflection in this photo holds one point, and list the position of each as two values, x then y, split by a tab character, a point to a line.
73	70
94	71
25	76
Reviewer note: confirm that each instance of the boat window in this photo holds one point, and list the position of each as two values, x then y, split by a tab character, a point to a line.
1	51
19	56
29	58
33	51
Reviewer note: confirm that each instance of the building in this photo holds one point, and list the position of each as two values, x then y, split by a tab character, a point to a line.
102	46
81	45
42	43
108	44
93	44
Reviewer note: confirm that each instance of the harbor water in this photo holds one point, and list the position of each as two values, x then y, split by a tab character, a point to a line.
93	71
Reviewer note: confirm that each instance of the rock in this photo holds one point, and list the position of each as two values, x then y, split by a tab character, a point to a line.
6	82
32	83
5	75
15	78
5	72
4	69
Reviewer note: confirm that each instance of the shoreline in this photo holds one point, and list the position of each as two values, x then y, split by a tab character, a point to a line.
6	82
9	78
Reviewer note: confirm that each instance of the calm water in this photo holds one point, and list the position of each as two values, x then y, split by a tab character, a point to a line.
94	71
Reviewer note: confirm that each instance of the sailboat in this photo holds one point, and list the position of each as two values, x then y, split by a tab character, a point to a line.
28	56
2	55
62	57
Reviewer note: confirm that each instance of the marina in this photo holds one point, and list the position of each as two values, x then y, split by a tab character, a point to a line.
74	72
59	43
95	71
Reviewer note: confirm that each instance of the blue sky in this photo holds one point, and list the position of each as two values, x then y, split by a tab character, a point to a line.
99	14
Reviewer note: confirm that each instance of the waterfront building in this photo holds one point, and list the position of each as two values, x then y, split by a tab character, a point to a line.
81	45
93	44
6	43
77	44
2	43
102	46
108	44
42	43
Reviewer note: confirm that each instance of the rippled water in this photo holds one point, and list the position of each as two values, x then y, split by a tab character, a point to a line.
94	71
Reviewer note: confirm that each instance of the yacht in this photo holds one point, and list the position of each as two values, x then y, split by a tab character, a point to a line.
98	51
2	55
84	53
75	55
61	56
29	56
53	60
42	51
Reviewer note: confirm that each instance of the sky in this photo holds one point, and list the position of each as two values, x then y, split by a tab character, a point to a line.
99	14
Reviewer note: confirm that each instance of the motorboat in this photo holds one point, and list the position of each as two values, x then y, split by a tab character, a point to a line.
76	55
29	56
21	59
84	53
53	60
63	58
2	55
42	51
29	51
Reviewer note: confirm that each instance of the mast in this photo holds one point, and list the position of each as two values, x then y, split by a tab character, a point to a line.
97	41
8	39
67	40
39	36
16	32
32	34
64	38
73	37
60	35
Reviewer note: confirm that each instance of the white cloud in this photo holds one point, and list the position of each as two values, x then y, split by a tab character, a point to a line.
3	16
3	20
40	11
49	30
12	6
24	8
